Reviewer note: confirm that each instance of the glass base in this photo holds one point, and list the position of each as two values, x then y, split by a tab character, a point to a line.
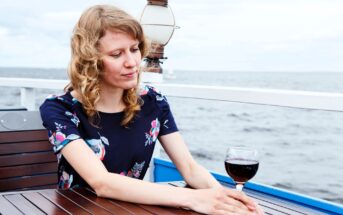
239	187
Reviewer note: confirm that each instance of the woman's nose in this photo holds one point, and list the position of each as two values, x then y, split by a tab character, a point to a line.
130	60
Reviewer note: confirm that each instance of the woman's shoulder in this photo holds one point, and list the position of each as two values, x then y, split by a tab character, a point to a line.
152	97
151	92
62	101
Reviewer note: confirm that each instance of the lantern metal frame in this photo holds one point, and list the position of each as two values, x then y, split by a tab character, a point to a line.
155	56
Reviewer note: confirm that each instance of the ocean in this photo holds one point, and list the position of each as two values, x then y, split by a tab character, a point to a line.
299	149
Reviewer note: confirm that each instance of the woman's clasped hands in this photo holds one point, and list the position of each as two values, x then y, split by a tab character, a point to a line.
222	200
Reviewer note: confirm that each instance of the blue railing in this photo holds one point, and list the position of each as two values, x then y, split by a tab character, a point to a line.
166	171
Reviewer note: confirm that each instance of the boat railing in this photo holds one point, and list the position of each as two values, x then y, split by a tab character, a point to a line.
276	97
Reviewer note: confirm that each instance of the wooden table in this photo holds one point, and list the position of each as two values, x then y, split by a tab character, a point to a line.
76	201
84	201
271	205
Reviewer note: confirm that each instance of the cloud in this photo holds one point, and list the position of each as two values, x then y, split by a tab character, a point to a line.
32	50
216	34
37	33
3	32
250	35
52	21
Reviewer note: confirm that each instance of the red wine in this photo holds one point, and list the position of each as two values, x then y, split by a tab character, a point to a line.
241	170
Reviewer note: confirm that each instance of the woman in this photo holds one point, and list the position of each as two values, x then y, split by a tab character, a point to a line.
104	129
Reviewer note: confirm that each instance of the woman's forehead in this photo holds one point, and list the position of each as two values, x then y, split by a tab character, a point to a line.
115	40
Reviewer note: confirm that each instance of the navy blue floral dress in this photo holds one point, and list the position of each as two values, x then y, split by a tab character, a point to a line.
126	151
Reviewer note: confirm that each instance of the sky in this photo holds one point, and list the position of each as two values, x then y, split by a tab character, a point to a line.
226	35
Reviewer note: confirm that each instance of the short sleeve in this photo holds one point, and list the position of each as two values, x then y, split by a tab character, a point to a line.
166	118
60	121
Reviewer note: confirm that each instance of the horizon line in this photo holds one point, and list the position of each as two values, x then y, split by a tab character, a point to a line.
190	70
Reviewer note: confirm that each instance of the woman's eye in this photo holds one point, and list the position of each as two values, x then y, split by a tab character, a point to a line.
134	49
116	55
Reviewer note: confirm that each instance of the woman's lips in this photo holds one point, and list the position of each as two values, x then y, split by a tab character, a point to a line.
129	75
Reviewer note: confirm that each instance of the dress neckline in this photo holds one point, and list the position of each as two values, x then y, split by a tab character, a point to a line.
100	112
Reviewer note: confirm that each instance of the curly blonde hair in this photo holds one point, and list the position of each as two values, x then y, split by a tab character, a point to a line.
86	64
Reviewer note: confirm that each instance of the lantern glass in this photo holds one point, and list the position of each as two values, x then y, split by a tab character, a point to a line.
158	23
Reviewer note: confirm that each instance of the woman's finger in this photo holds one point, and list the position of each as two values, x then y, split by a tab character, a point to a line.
242	197
236	203
232	209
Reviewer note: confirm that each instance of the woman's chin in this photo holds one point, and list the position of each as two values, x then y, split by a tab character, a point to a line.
130	85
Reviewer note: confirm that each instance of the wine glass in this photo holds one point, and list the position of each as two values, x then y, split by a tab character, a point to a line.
241	163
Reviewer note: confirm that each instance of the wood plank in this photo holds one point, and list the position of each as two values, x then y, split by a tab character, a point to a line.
20	147
25	170
276	205
281	205
85	203
63	202
103	202
269	204
133	208
175	183
7	208
149	208
27	181
43	187
23	204
269	210
27	158
43	204
167	210
23	136
274	208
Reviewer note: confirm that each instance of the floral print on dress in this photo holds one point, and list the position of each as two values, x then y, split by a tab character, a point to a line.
97	145
151	137
59	139
154	92
58	116
146	89
73	118
160	97
52	97
65	180
135	171
165	124
74	101
60	98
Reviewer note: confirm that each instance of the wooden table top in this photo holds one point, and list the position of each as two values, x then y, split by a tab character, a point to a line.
269	204
84	201
76	201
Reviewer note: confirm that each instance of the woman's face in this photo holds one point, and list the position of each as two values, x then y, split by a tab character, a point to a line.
121	60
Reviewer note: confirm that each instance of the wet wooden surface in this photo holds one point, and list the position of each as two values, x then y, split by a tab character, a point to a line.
269	204
84	201
76	201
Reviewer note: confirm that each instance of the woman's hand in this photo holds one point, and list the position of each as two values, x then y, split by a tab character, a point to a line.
223	201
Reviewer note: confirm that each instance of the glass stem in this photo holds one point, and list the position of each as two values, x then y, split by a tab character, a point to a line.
239	187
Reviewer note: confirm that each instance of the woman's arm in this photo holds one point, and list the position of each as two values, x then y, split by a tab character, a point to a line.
194	174
116	186
111	185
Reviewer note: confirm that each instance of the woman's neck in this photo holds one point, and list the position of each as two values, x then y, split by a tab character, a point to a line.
110	101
